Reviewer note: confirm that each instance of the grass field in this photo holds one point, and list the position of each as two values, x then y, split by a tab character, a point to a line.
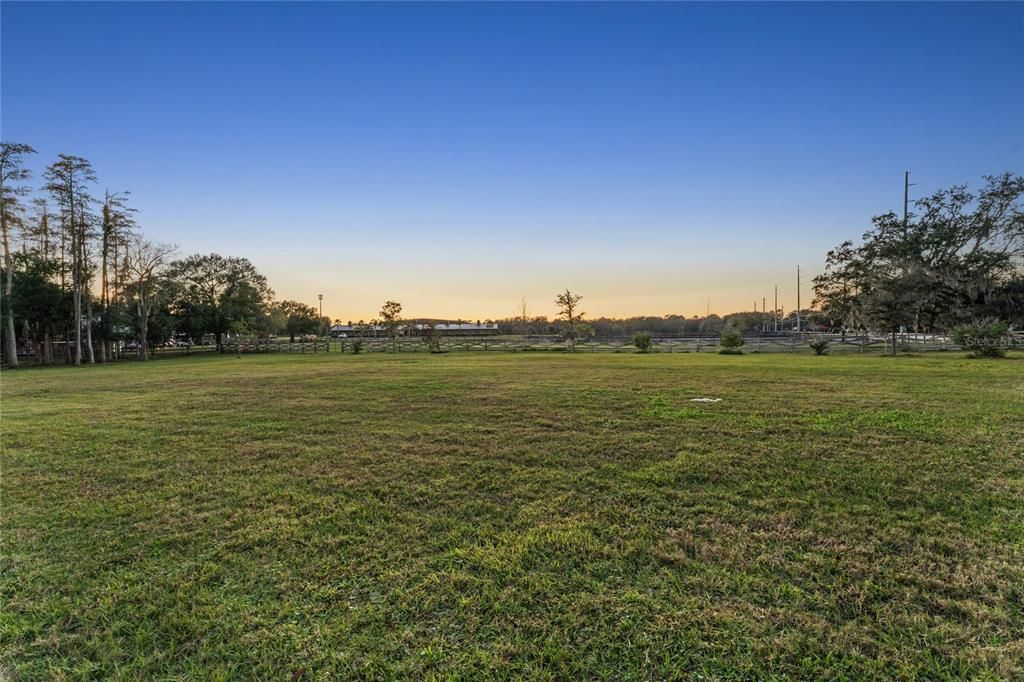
514	515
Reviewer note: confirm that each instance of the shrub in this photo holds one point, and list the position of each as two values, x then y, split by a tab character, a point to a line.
983	339
642	340
731	342
432	337
819	346
357	346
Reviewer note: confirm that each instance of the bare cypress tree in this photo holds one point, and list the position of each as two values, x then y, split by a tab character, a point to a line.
41	233
12	174
568	310
116	223
146	262
44	240
87	221
524	316
119	270
68	179
65	239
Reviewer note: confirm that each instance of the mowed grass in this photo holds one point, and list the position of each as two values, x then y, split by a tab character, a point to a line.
514	515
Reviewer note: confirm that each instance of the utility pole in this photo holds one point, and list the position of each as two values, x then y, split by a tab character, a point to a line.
320	297
907	184
798	298
764	309
775	312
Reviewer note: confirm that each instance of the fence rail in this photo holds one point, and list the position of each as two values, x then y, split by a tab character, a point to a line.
792	343
239	346
772	343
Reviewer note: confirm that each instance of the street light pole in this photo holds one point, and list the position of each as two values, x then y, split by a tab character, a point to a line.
798	299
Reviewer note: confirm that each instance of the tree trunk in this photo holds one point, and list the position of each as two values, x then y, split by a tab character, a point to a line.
220	346
76	293
12	342
894	342
104	283
47	348
78	324
76	275
143	327
88	332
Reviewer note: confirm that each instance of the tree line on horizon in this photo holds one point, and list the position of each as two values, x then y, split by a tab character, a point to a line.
85	278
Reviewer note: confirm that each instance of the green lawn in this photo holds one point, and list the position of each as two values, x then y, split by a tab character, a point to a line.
514	515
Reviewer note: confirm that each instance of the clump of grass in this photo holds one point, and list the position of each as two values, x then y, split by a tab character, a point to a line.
659	406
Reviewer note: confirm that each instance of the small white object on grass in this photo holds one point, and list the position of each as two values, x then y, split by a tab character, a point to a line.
705	400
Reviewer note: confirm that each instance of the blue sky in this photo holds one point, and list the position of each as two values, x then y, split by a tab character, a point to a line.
457	157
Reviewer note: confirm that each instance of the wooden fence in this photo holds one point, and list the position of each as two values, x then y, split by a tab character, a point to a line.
239	346
771	343
768	343
778	343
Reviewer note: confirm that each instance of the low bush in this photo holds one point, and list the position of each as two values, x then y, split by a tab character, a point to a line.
642	340
731	342
819	346
357	346
983	339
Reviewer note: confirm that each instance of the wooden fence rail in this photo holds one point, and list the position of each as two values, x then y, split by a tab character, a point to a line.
239	346
766	344
774	343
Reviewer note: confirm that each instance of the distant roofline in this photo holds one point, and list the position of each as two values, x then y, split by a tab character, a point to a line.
419	325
